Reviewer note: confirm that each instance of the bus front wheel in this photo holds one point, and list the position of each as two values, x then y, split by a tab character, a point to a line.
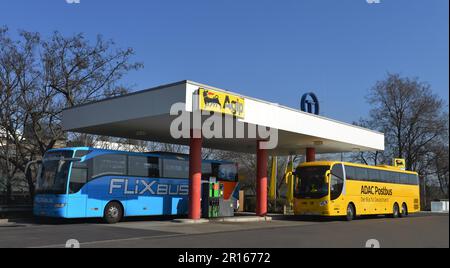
351	212
113	213
396	211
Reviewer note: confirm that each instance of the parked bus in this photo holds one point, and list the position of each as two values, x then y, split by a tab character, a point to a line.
95	183
350	190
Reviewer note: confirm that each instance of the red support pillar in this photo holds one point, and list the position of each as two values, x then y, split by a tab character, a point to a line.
261	181
310	154
195	175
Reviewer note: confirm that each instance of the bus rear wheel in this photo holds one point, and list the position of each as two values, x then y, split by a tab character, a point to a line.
113	213
395	211
351	212
404	212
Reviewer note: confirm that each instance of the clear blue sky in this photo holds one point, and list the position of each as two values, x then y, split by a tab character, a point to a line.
274	50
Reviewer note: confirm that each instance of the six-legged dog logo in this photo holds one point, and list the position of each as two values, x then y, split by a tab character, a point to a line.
211	99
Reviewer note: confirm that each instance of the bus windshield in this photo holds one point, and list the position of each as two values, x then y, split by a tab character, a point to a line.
54	174
311	182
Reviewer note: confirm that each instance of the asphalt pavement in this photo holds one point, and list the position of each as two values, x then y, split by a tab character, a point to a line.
423	230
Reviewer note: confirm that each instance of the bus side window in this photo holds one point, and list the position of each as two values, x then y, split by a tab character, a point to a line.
374	175
82	153
413	179
388	176
384	176
394	177
153	167
403	178
207	170
361	174
78	177
215	169
175	168
350	173
109	164
227	172
143	166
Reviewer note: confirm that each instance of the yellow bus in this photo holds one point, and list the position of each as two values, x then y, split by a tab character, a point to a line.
350	190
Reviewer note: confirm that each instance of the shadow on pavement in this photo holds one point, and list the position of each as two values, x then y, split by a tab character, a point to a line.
325	219
57	221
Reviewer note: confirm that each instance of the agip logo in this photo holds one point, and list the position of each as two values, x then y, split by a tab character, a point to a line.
221	102
400	163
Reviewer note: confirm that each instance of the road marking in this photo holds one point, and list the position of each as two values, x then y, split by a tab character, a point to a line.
110	241
153	240
177	235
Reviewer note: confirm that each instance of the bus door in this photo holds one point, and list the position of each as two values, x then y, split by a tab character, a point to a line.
77	192
337	188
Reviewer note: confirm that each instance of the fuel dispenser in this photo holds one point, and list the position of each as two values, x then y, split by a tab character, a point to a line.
212	193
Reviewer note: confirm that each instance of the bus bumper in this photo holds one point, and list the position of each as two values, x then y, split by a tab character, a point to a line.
309	207
50	206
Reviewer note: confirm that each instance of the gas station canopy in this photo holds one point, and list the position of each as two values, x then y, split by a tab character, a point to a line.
145	115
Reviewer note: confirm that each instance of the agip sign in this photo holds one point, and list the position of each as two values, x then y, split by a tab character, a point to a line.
221	102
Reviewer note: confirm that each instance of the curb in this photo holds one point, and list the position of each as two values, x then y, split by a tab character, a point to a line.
245	219
227	219
15	220
433	212
190	221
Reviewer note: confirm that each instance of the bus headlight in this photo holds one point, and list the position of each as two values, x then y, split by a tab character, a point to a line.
323	203
61	205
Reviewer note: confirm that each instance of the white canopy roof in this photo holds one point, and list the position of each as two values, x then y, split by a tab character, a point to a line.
145	115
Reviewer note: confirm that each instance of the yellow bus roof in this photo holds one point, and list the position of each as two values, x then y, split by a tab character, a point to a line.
380	167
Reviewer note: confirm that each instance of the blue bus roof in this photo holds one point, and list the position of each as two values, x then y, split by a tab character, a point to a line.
156	154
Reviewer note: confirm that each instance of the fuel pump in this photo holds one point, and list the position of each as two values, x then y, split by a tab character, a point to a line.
212	192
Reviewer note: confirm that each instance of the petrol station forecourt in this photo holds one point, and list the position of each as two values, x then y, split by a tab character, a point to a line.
146	115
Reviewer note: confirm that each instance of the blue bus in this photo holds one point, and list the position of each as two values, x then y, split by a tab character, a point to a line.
86	182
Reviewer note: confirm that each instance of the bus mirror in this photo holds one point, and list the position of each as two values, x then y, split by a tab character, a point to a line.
287	174
327	176
34	162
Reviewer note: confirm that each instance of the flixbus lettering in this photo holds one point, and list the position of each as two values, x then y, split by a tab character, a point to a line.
142	187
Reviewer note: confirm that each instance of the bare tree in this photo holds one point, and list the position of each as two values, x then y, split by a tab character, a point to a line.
415	124
39	78
7	171
247	168
409	114
437	163
372	157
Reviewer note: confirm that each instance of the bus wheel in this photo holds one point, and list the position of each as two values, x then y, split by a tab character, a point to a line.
396	211
404	213
113	213
351	212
